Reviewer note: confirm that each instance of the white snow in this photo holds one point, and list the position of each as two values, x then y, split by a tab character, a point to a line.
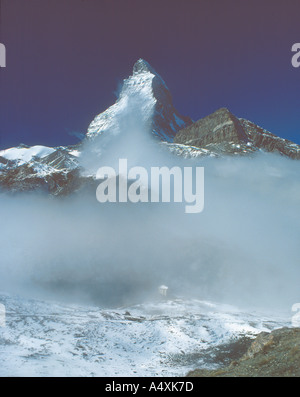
137	91
222	125
138	86
154	339
25	155
186	151
75	153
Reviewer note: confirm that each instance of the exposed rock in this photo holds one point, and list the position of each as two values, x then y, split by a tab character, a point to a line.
265	140
221	126
274	354
221	133
145	96
3	160
57	173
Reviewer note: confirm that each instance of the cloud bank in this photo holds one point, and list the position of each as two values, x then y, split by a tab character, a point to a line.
242	249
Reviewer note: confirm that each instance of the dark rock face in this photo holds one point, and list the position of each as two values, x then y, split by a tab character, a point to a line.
3	160
21	178
165	117
25	178
223	133
263	139
221	126
57	174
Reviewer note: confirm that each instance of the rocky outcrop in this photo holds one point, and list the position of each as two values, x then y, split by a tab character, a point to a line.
221	126
274	354
222	133
265	140
57	173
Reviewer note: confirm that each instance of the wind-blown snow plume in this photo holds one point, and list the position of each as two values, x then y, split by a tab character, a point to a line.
132	127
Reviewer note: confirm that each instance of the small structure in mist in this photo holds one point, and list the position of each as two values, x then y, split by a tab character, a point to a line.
163	290
2	56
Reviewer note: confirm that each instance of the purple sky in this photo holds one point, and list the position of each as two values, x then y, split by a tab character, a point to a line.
67	58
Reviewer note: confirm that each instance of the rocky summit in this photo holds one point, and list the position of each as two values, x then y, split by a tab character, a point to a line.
146	87
146	97
222	133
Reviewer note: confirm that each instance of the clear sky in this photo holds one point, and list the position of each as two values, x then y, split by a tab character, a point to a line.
66	60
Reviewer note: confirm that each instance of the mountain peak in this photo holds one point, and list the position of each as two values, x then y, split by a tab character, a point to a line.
223	133
143	66
220	126
148	93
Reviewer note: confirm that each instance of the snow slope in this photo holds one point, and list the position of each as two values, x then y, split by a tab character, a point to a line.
26	154
155	339
147	91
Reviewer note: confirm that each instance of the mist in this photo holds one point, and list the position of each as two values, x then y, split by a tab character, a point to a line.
243	249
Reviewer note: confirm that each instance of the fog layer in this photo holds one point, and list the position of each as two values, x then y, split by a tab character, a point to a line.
242	249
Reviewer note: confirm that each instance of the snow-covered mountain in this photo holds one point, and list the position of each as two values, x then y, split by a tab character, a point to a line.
157	106
60	171
38	167
113	258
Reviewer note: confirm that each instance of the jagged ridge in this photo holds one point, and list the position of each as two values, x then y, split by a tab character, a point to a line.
58	171
222	133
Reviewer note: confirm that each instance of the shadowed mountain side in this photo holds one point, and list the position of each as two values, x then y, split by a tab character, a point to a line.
222	133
